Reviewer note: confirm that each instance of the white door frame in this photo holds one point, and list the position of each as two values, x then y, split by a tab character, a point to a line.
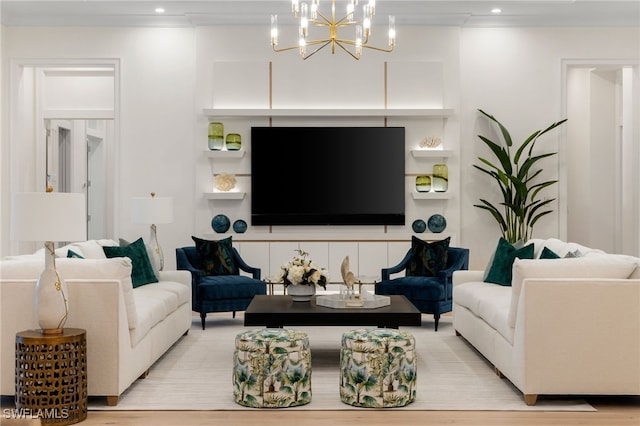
562	163
15	174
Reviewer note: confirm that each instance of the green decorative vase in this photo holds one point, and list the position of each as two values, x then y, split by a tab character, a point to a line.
423	183
234	143
216	136
440	177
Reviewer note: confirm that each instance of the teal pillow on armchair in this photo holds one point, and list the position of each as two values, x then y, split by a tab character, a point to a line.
500	268
428	258
215	257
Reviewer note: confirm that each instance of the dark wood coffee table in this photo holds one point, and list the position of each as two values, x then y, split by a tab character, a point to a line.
279	311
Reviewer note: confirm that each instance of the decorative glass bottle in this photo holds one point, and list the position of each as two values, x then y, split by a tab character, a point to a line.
423	183
234	143
216	136
440	180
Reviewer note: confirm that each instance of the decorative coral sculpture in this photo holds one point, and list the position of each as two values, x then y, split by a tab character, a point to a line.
224	182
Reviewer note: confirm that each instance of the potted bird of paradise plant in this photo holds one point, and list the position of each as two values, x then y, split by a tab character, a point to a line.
516	173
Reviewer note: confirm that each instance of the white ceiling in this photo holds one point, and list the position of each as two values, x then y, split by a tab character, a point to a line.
185	13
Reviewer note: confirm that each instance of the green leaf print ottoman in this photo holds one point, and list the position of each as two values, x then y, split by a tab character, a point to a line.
378	368
272	368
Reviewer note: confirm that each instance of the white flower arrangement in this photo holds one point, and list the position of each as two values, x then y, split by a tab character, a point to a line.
302	271
224	182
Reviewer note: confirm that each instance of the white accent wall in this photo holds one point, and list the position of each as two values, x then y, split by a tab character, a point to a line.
167	79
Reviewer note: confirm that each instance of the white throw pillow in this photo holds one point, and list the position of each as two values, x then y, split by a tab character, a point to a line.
581	267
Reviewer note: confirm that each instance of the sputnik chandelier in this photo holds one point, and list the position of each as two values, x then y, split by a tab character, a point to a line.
311	15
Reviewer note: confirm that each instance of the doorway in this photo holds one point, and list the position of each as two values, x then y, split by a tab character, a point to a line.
78	161
73	102
601	178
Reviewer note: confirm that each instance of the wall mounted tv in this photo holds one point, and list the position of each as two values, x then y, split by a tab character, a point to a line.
327	176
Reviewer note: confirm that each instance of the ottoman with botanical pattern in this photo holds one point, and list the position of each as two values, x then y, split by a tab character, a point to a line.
378	368
272	368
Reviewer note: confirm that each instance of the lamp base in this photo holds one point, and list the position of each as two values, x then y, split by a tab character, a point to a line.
155	251
51	302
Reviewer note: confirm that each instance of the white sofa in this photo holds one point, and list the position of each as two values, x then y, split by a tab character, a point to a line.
128	328
568	326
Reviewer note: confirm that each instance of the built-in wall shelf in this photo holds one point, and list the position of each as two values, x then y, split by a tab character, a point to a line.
232	195
419	153
326	237
431	195
328	112
224	153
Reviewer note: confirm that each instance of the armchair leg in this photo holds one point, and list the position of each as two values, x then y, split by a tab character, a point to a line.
234	314
203	315
436	318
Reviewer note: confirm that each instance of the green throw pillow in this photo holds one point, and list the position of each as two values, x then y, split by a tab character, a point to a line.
215	257
141	271
505	254
547	253
71	253
428	259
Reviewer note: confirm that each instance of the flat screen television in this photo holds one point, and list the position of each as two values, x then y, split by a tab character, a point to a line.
327	176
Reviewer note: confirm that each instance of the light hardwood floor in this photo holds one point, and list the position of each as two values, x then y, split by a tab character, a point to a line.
611	412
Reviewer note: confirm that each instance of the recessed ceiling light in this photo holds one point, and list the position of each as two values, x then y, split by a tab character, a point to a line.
159	10
496	10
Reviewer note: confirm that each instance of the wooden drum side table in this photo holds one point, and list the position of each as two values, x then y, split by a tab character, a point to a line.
51	375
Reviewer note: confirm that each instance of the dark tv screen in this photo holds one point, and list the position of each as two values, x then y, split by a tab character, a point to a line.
327	176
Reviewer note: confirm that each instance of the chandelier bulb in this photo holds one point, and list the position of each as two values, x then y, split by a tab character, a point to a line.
392	30
274	30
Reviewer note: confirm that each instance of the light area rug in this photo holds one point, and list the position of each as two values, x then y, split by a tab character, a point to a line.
195	374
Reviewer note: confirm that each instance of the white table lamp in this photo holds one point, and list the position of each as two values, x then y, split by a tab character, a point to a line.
49	217
153	210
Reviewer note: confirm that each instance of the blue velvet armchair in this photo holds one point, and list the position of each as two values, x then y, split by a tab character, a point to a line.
430	294
220	293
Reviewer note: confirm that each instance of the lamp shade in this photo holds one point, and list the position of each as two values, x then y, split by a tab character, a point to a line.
48	216
152	210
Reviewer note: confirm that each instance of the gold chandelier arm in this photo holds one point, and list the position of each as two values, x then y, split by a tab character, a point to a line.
325	20
353	55
311	43
284	49
365	46
318	49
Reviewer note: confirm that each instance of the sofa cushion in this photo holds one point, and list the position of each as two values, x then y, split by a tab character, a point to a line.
427	259
562	248
90	249
500	269
414	288
151	310
228	287
594	266
182	292
215	257
488	301
142	272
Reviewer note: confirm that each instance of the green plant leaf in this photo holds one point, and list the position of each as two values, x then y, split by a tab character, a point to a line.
499	152
531	161
505	132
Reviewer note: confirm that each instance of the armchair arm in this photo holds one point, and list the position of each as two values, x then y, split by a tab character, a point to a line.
386	272
255	272
182	263
458	260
